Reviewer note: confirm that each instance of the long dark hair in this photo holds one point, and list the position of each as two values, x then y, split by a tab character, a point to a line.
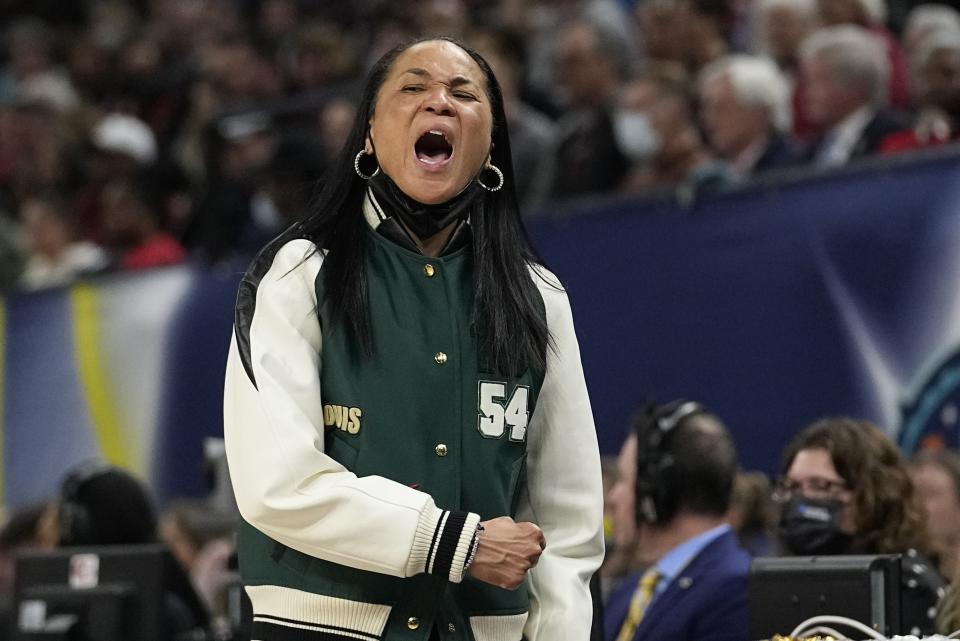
512	331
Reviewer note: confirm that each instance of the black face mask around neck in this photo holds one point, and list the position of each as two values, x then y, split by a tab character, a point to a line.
812	527
423	220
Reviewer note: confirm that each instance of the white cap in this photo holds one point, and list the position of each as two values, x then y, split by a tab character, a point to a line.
50	89
123	134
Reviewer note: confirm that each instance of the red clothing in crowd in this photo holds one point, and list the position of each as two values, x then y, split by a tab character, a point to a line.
899	75
908	140
158	250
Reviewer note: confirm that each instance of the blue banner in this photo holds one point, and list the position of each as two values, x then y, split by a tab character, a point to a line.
774	305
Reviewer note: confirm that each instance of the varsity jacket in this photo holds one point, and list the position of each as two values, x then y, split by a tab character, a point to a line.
361	480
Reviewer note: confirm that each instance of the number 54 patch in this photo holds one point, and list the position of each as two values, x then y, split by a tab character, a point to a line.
496	413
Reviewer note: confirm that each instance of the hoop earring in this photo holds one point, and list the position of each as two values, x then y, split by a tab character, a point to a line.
356	165
499	174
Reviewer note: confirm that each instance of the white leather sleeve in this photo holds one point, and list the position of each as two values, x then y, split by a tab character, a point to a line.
564	491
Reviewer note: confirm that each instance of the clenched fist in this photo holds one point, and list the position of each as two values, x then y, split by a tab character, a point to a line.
506	551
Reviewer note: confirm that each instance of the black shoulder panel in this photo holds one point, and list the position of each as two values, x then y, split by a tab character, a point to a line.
246	304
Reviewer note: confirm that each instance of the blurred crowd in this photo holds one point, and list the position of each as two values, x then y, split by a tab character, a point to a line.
136	134
680	510
139	134
103	505
678	507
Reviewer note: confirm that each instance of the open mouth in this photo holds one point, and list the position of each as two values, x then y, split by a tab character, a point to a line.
433	148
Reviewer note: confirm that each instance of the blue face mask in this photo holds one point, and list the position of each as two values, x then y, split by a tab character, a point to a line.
635	136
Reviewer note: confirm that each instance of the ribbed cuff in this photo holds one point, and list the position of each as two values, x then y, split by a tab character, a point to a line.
462	549
442	543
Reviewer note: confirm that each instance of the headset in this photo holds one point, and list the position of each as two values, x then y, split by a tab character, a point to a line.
76	523
658	488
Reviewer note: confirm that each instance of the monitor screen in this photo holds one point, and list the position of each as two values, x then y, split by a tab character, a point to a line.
96	594
786	591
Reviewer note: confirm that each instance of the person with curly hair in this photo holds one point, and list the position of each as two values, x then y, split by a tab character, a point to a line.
847	490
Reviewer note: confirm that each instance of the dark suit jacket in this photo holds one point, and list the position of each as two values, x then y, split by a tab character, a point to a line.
588	158
880	126
705	602
780	152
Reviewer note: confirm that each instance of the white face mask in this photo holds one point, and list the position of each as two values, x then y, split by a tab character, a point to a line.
635	136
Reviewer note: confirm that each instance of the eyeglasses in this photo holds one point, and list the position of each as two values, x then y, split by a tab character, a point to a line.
814	488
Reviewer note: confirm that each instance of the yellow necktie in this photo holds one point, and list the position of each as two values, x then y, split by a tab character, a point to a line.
638	604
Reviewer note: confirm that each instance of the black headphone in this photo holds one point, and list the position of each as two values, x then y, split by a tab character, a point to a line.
76	523
658	489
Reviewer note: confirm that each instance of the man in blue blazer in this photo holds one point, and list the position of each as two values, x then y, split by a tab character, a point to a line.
696	589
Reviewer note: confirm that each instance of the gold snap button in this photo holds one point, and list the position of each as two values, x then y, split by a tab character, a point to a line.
440	449
440	358
429	270
413	623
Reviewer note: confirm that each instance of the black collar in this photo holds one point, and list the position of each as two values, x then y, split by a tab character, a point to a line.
390	227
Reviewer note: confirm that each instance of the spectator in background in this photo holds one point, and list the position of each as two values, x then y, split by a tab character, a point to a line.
242	76
846	74
696	588
285	186
624	557
39	158
393	22
238	147
195	143
654	127
948	612
92	497
55	255
90	68
533	136
20	531
53	91
12	252
936	83
30	52
782	25
442	17
936	476
322	57
745	111
590	72
9	153
201	539
159	93
924	21
847	490
871	15
660	30
706	27
276	21
124	148
750	514
541	22
633	125
132	226
336	120
100	504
